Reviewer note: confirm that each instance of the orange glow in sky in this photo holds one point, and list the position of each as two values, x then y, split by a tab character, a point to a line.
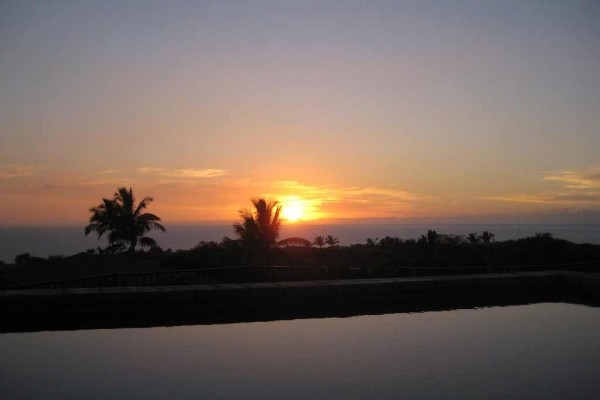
293	209
362	111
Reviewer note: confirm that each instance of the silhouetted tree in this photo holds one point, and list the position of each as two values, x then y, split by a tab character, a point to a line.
319	241
294	242
486	237
431	239
103	221
22	258
27	258
372	242
429	242
451	240
123	221
259	229
472	238
331	241
391	243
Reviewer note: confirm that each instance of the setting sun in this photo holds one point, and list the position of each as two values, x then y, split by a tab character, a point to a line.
292	213
293	209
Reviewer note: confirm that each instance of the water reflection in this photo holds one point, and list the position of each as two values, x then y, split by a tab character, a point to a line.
534	351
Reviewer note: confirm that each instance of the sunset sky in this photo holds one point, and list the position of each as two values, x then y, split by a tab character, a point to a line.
349	110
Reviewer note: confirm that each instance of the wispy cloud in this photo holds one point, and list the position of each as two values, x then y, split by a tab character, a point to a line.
185	173
349	202
106	172
150	170
9	171
337	192
577	187
195	173
588	178
565	198
104	182
370	192
220	199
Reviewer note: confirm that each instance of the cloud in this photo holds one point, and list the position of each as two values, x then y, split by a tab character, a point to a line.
550	198
104	182
515	198
195	173
588	178
352	193
186	173
349	202
150	170
577	187
589	197
221	199
9	171
379	193
106	172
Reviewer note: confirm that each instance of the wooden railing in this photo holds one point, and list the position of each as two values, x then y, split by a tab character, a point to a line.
281	274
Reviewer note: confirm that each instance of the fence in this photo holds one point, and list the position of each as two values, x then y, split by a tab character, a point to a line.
282	274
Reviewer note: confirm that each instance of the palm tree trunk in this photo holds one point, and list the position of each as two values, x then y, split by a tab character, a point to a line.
132	245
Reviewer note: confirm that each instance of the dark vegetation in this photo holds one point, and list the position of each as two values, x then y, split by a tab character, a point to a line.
431	250
376	257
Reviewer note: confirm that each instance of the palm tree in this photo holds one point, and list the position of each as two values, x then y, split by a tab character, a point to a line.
132	224
472	238
102	222
331	241
429	242
259	229
486	237
319	241
431	239
123	221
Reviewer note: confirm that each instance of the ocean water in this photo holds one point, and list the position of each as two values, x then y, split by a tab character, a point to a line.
68	240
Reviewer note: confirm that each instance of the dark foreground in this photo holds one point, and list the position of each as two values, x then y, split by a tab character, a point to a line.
92	308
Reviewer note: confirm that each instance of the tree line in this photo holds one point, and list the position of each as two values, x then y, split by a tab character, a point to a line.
257	243
126	223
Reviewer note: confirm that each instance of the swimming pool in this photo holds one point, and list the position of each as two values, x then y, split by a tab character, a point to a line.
545	350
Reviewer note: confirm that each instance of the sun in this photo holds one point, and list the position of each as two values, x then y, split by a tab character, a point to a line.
292	210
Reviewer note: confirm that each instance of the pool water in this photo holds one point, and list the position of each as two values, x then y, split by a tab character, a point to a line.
538	351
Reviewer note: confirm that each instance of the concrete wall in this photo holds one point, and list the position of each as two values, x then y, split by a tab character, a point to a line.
202	294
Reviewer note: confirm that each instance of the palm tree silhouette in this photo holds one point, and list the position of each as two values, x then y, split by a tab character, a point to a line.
331	241
487	237
319	241
429	242
102	221
259	229
123	221
472	238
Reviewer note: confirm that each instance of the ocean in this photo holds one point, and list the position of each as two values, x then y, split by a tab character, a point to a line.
68	240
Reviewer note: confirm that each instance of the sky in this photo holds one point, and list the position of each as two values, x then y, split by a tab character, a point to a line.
344	111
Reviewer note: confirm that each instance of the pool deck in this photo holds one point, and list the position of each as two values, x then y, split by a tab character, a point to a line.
588	284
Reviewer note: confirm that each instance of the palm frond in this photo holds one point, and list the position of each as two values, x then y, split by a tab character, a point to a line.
146	241
143	204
